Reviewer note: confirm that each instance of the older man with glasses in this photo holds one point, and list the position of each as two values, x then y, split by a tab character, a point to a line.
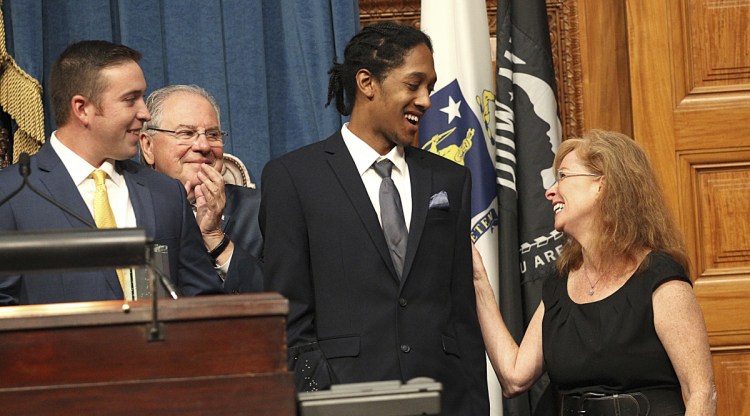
184	140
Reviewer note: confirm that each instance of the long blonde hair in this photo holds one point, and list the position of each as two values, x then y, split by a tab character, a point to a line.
632	212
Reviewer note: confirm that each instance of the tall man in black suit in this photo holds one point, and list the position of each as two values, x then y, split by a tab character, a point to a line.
97	90
364	306
184	140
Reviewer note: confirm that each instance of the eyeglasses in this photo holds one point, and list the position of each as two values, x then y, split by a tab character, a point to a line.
562	174
215	137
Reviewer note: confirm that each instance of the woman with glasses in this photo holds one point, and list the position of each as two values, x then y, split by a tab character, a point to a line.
619	329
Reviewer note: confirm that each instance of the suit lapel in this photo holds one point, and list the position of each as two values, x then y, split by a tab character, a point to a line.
343	167
59	185
140	198
421	178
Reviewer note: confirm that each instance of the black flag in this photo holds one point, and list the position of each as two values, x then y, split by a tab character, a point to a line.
527	135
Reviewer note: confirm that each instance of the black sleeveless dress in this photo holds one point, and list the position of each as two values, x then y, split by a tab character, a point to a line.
609	346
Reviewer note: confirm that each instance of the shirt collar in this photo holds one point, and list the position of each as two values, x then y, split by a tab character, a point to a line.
78	168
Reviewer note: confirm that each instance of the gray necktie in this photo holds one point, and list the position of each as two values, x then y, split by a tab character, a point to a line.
392	215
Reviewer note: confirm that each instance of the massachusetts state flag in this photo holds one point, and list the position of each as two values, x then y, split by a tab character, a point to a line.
461	122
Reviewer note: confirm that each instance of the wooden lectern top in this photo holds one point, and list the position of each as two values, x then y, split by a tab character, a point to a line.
218	355
53	315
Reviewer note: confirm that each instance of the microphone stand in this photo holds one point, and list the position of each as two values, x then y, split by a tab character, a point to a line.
25	169
155	331
12	194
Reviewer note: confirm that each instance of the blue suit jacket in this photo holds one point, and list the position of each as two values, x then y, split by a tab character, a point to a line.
160	206
240	223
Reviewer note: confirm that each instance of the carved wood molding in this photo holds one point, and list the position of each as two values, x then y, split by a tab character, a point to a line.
5	148
562	16
408	11
563	23
405	11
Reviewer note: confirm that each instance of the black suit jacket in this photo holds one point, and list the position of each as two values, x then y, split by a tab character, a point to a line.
240	223
351	319
160	206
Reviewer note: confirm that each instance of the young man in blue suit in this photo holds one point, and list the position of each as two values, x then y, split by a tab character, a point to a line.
379	280
97	90
184	140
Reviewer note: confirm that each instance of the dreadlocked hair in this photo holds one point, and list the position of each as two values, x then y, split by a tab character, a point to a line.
377	48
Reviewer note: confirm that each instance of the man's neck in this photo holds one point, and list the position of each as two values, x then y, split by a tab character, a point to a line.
77	142
379	144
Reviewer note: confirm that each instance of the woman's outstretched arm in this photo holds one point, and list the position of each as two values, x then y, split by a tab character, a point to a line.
516	367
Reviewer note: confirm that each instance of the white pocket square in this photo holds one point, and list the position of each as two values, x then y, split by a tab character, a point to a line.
439	201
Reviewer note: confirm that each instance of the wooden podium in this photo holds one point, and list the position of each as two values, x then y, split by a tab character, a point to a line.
218	355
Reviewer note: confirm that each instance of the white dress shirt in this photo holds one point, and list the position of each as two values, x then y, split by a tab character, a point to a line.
117	190
365	156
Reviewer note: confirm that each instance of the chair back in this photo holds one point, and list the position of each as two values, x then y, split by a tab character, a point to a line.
235	172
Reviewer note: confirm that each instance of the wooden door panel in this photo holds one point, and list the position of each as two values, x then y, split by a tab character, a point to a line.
718	44
690	89
708	121
733	375
724	303
722	202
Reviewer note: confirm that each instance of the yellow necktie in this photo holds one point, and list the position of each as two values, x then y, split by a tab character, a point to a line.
103	216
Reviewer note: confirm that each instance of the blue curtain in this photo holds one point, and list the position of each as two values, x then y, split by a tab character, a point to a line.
265	61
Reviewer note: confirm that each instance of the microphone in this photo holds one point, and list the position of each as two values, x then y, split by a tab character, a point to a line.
25	170
24	167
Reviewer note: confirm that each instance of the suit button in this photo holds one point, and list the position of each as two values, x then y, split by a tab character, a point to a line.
402	301
405	348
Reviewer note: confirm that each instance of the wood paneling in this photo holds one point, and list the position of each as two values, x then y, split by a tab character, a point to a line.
723	209
604	79
711	76
691	105
717	233
719	44
724	302
703	119
733	383
717	185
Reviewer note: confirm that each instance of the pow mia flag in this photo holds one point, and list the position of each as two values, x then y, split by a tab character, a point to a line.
527	134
